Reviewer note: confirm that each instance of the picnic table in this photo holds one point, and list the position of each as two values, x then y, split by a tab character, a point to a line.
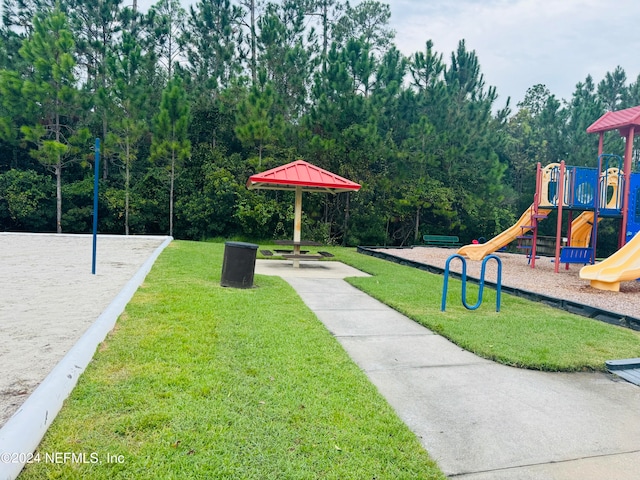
296	254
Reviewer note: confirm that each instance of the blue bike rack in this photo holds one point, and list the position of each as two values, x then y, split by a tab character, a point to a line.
464	282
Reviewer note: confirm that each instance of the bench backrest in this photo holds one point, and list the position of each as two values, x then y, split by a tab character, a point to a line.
441	238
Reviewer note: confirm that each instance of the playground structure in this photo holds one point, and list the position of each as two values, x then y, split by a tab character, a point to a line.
610	190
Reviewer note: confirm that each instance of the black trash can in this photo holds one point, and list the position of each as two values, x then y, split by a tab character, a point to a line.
239	264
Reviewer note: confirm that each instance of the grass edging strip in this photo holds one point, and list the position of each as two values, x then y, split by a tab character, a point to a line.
22	433
588	311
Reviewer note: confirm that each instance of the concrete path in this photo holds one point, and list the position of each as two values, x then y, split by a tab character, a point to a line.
478	419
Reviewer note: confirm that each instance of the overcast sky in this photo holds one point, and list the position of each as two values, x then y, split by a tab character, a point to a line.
521	43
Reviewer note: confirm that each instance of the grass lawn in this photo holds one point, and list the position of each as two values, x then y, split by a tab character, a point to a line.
204	382
524	333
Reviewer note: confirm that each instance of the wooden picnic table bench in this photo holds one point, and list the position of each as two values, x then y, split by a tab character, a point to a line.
441	240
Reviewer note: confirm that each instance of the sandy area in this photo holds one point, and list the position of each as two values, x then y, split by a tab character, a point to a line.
516	272
49	297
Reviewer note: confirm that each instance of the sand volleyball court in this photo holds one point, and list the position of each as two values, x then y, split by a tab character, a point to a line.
49	298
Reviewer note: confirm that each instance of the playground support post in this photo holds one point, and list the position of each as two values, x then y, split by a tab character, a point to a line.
594	230
95	205
560	192
596	206
534	216
628	153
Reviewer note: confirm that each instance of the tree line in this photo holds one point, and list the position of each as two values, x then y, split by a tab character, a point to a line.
190	103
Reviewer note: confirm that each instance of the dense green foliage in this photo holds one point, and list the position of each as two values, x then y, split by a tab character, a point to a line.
190	103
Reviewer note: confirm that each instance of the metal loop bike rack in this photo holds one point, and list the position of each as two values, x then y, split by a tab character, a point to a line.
464	282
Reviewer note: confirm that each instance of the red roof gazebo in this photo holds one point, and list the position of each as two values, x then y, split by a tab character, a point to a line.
300	176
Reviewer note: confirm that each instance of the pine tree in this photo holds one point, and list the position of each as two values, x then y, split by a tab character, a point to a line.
367	22
128	97
96	26
328	13
170	143
251	24
52	88
258	124
286	57
612	89
213	45
165	22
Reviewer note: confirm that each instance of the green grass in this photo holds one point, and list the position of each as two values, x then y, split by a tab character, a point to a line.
199	381
204	382
524	333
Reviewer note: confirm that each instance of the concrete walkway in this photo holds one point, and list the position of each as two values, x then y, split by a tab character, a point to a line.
480	420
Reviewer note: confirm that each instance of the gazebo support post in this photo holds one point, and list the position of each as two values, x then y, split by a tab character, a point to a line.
297	226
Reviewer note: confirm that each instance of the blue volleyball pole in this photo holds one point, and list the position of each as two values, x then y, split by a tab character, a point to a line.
95	206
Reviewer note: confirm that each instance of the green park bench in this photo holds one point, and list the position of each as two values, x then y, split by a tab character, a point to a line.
441	240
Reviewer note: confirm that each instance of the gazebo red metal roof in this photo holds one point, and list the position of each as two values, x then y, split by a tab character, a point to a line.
301	174
621	120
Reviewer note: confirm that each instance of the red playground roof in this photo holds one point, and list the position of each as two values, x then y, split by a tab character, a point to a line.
301	173
621	120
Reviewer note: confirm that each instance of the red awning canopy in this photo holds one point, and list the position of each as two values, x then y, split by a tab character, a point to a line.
621	120
301	174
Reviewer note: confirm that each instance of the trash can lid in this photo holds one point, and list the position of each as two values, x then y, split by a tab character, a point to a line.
251	246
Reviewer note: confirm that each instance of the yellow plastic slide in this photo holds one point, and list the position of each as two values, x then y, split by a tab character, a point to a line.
581	230
622	266
479	251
